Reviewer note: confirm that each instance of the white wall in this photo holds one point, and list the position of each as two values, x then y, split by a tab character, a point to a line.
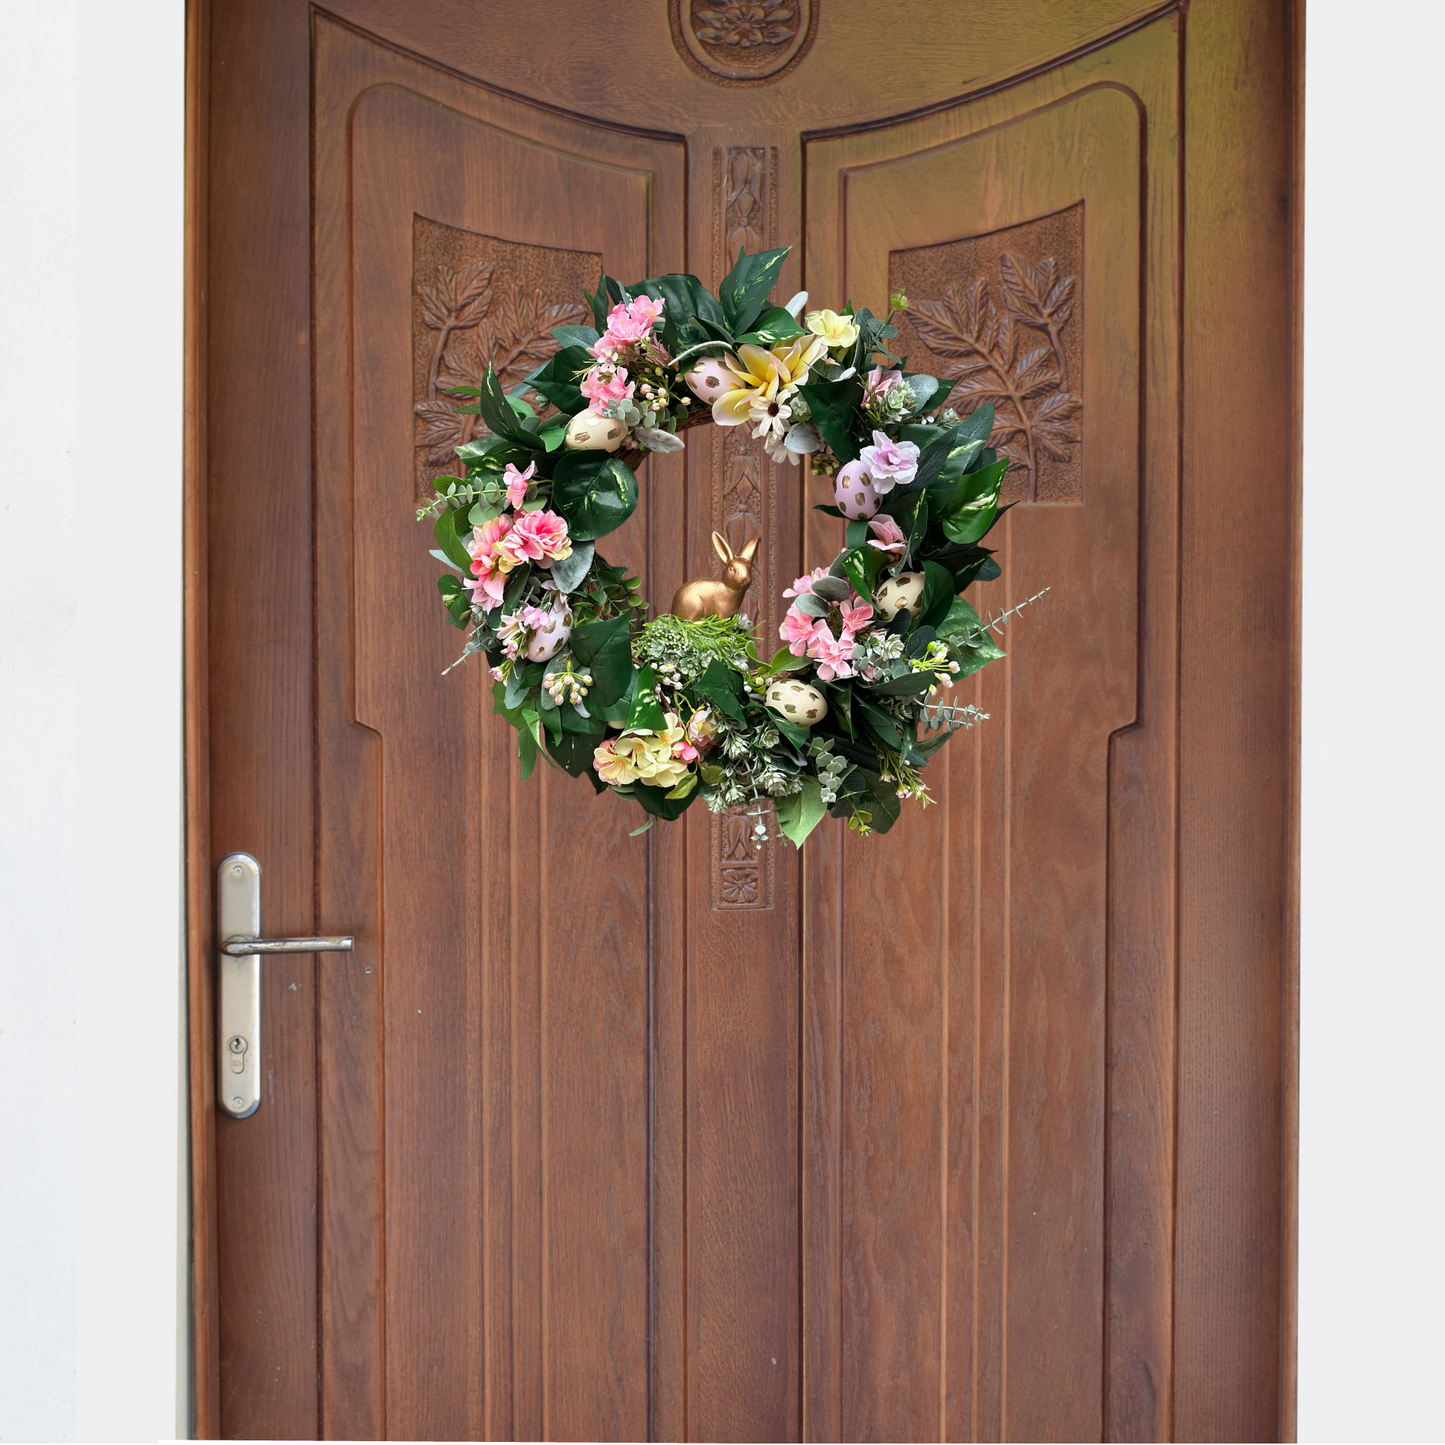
91	1149
91	1068
1372	1264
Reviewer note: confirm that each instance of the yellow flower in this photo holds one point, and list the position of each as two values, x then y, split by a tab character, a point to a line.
836	331
759	376
643	758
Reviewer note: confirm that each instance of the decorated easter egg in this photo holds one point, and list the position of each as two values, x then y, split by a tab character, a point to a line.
797	701
588	432
853	492
903	593
709	379
548	641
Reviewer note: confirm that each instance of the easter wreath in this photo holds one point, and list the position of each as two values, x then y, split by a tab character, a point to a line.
684	707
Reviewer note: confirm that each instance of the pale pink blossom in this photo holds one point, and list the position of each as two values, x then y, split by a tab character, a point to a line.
517	483
856	614
488	562
890	463
832	654
889	534
880	383
805	584
631	321
539	537
646	309
602	384
797	630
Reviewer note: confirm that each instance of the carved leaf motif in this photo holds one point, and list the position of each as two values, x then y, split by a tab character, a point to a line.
518	334
1036	416
459	298
1037	295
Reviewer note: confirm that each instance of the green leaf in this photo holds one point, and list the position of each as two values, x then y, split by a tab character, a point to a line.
556	378
722	686
744	291
445	530
922	387
583	336
835	408
785	661
636	831
773	326
569	572
497	412
810	812
796	735
645	714
573	751
856	534
905	686
601	303
876	720
596	493
685	301
960	623
886	803
660	804
938	591
972	510
584	725
978	424
527	751
605	650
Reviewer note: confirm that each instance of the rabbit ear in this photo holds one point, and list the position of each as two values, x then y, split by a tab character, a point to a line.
748	549
720	546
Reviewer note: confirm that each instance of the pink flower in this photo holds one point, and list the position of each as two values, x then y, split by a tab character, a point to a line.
630	322
646	310
890	463
805	584
880	383
797	630
832	654
517	483
856	615
890	535
539	537
602	384
488	561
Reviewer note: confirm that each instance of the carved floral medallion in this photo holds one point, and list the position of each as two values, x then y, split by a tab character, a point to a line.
741	41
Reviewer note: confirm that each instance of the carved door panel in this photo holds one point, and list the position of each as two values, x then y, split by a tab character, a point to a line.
600	1137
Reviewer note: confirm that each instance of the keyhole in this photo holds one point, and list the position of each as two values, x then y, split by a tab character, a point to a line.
237	1046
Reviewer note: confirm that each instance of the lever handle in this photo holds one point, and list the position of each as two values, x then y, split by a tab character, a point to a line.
241	947
238	967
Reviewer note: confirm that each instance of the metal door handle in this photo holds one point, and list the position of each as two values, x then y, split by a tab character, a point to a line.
241	947
238	1004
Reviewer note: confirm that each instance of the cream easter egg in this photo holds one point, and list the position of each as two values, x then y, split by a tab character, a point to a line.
797	701
588	432
903	593
854	494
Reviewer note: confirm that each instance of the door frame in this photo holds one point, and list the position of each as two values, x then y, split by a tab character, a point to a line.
1216	47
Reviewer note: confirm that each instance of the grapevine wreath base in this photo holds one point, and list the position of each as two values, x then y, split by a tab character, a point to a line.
844	717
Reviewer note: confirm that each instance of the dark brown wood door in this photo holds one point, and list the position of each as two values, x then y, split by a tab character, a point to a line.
977	1130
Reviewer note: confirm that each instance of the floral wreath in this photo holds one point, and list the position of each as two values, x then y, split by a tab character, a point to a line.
684	706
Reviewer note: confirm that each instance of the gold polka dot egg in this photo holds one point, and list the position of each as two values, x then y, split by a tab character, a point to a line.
797	701
903	593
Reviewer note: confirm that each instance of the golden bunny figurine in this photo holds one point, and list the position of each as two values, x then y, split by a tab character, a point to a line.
711	597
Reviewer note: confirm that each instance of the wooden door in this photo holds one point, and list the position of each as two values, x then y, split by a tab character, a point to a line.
977	1130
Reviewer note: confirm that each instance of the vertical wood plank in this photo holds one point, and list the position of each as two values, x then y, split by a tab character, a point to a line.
260	714
1235	721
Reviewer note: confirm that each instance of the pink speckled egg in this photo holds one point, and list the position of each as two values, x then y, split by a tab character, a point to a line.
548	641
853	492
709	379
